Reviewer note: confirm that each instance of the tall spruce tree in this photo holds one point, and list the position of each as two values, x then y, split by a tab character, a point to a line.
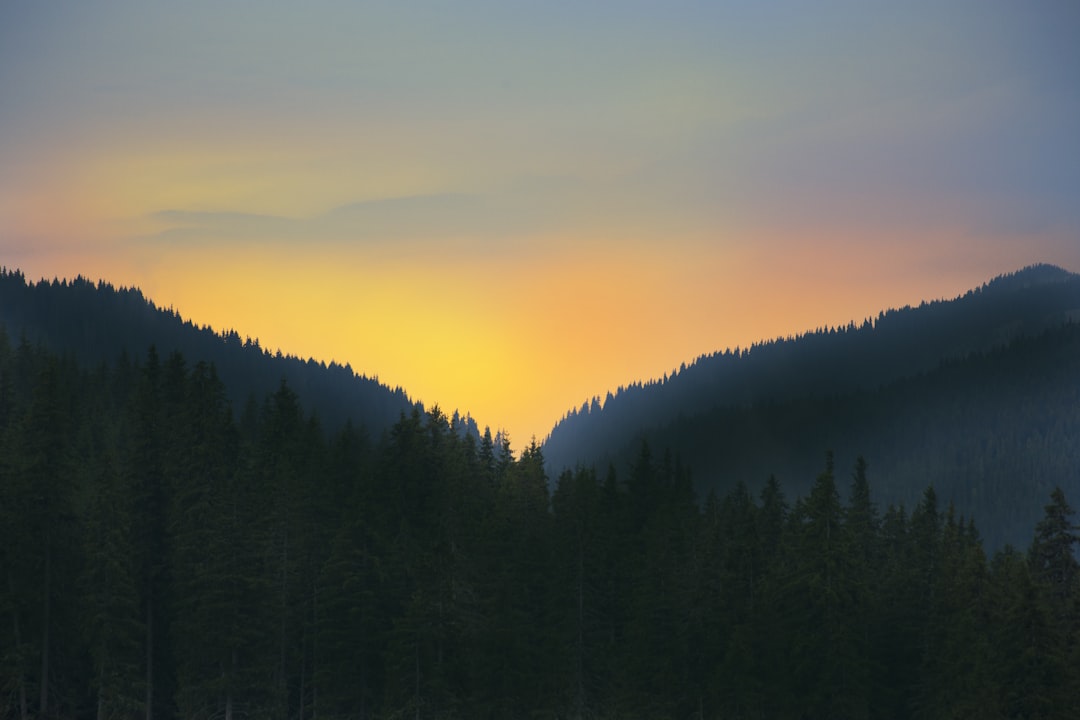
220	590
109	580
826	670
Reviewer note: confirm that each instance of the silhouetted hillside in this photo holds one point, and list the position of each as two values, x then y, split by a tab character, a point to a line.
977	395
161	559
100	323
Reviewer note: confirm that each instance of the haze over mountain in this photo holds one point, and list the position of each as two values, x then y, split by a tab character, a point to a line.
977	395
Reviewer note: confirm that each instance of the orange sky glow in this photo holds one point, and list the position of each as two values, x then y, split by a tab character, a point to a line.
510	213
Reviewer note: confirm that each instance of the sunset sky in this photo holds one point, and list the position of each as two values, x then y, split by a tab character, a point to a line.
509	207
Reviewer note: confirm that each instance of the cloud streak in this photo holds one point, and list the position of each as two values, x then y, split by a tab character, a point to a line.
478	218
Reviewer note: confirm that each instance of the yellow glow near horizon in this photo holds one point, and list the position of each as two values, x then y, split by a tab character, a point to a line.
560	218
518	349
515	333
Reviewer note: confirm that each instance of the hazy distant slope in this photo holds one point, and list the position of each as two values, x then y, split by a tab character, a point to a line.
98	323
990	432
898	343
979	395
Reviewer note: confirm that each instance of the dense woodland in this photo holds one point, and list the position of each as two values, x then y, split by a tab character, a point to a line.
166	557
988	431
979	396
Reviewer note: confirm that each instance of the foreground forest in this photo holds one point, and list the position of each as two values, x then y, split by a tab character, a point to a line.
165	558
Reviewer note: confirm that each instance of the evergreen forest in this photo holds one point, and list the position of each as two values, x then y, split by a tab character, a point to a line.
978	396
96	322
166	555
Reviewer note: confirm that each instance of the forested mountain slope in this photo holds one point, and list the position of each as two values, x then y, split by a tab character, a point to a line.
989	432
99	323
161	558
978	395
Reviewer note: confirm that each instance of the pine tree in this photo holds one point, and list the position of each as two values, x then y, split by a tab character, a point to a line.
925	559
896	651
1028	665
109	579
1052	556
1056	573
16	553
40	484
350	623
827	672
346	612
582	552
219	587
419	658
660	502
143	470
741	602
955	678
284	466
862	536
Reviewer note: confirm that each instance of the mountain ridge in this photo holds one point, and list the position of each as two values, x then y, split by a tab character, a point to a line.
1002	319
98	322
979	395
788	400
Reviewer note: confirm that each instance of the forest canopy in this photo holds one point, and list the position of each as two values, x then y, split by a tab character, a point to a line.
165	557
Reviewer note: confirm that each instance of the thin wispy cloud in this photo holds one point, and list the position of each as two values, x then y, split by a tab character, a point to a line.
475	217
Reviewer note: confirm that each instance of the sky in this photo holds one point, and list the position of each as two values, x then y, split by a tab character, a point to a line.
509	207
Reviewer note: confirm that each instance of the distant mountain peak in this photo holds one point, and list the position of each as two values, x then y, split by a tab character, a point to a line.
1032	276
